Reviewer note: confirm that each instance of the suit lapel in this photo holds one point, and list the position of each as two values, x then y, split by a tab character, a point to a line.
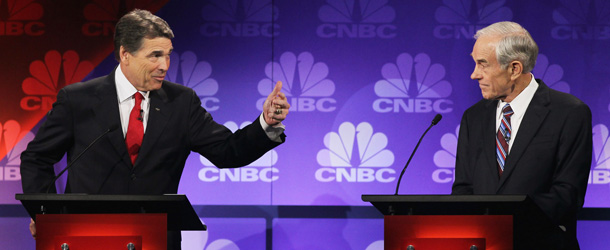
534	116
490	139
106	113
157	120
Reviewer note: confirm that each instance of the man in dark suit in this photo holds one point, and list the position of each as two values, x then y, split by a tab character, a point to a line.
523	137
146	126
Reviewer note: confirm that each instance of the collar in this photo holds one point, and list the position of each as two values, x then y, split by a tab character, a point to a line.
125	90
520	103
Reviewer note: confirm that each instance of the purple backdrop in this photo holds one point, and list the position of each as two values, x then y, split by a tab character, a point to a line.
364	79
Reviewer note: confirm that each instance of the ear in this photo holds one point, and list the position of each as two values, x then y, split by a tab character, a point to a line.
516	69
124	55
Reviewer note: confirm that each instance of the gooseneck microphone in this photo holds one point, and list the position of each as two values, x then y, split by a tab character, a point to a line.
436	119
112	128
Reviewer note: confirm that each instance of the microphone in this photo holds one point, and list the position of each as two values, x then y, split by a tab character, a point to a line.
436	119
112	128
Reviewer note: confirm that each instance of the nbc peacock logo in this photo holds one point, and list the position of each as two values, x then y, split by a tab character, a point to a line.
445	158
201	240
190	72
356	19
551	74
240	18
260	170
305	83
355	154
413	85
581	20
10	131
102	15
49	76
600	174
19	17
461	19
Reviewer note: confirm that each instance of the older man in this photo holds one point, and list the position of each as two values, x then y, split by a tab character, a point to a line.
523	137
148	126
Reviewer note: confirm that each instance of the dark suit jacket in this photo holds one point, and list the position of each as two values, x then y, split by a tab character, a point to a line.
177	125
549	160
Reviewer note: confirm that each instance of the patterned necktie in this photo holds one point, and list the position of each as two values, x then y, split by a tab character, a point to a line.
503	137
135	129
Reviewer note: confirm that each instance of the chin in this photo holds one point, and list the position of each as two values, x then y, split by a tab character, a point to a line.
155	86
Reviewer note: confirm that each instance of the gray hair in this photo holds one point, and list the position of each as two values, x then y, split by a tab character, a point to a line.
516	44
134	26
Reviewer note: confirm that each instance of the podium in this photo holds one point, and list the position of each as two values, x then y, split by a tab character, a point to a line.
81	221
469	222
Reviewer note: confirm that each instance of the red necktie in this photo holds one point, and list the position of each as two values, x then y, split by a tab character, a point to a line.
135	130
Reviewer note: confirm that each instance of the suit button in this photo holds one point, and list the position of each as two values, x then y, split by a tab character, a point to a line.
133	177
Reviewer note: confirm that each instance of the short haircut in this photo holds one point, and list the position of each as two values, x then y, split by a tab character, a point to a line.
516	44
136	25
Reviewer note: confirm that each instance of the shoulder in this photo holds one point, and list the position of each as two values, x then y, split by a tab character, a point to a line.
91	86
173	92
175	87
561	100
480	108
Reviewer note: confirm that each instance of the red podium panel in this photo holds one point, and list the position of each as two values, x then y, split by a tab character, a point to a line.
101	231
440	232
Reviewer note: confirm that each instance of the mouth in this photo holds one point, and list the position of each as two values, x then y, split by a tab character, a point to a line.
159	78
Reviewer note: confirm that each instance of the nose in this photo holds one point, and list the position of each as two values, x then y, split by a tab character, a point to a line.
475	74
164	63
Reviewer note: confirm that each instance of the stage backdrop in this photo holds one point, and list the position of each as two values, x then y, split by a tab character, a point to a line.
364	78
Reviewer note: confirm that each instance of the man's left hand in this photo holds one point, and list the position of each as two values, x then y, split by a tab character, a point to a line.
276	106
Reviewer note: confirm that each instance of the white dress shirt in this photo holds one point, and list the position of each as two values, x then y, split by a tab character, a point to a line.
125	91
519	106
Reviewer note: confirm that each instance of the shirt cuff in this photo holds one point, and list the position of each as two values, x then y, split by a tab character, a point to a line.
273	132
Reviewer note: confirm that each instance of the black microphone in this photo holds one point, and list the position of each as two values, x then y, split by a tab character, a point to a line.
112	128
436	119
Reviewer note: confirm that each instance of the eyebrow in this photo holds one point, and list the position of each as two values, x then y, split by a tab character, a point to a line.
157	52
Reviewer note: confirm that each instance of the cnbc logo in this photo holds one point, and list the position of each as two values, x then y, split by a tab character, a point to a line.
9	165
356	19
445	158
355	154
240	18
196	75
260	170
600	174
304	83
19	17
102	15
199	240
551	74
581	20
461	19
49	76
413	85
